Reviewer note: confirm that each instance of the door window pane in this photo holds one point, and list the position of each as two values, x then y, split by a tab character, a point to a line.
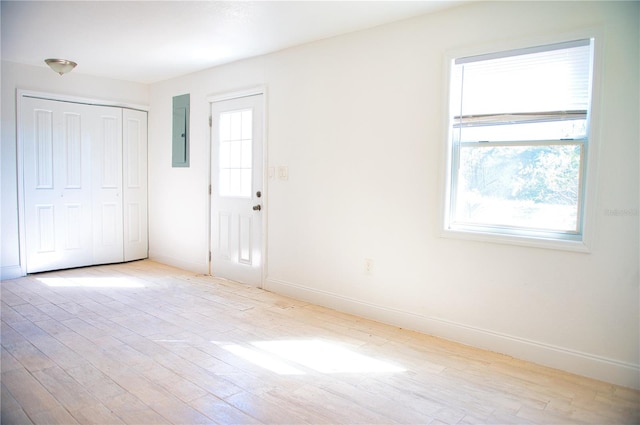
235	154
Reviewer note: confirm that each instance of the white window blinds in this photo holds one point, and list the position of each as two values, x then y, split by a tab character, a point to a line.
538	84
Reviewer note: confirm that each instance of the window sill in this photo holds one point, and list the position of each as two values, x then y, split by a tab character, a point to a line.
518	240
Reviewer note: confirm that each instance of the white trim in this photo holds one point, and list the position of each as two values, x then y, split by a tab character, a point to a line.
572	361
22	239
528	241
82	100
188	266
265	185
250	91
511	44
589	209
10	272
523	51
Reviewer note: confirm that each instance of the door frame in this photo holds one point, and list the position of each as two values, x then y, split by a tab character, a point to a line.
21	94
230	95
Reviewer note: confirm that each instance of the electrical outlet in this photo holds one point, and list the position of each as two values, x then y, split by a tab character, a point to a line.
368	265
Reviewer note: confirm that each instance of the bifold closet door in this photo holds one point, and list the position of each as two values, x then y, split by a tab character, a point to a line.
107	194
72	184
135	184
56	147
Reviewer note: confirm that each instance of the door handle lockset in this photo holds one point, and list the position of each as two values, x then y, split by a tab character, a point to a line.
257	207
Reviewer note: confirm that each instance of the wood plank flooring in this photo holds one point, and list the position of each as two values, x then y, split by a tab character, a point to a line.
144	343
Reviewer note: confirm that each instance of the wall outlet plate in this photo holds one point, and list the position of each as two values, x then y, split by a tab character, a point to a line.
283	172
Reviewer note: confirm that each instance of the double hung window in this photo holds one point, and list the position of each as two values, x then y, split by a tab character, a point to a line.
519	131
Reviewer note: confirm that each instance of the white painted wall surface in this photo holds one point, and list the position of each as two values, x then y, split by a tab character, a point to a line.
359	121
42	79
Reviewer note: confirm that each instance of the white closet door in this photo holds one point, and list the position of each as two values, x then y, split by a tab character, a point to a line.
56	144
84	184
135	184
106	132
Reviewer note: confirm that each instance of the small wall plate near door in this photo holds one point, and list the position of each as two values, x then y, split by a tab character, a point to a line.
283	172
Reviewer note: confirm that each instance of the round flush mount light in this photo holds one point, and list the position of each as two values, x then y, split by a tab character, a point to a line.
61	66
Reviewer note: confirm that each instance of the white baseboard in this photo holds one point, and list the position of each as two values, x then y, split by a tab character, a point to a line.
10	272
585	364
191	266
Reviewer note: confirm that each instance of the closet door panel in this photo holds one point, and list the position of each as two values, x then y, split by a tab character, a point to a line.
73	150
56	146
135	184
107	184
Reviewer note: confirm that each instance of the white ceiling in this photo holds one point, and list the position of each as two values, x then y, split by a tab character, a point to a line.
150	41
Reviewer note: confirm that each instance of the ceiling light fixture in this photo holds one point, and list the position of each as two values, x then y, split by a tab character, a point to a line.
61	66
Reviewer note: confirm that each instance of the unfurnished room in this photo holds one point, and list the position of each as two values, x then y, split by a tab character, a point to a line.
320	212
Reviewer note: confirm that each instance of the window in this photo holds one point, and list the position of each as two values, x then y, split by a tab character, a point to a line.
519	131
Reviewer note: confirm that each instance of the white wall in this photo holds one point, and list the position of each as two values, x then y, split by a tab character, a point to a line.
359	121
16	76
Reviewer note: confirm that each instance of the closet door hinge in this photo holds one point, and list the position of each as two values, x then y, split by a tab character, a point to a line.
209	189
210	121
209	256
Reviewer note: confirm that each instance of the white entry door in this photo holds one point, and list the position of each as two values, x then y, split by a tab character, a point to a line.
237	196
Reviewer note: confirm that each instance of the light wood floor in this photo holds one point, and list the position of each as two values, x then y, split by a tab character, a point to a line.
145	343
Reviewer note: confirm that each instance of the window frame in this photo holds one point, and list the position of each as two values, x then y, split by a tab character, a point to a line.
581	240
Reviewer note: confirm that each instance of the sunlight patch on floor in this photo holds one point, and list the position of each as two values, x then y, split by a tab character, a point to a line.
91	282
263	360
318	355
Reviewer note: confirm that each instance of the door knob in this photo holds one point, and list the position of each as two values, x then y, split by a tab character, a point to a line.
257	207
